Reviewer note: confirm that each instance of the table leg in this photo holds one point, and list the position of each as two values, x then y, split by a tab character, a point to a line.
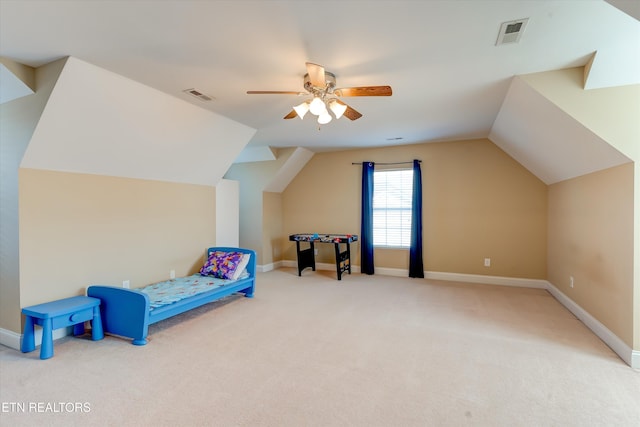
312	255
96	325
300	267
46	349
28	339
78	329
306	257
338	261
343	260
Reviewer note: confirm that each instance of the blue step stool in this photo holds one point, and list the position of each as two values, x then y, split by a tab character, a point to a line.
72	311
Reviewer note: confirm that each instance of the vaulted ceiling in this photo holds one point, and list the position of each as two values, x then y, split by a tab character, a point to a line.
450	80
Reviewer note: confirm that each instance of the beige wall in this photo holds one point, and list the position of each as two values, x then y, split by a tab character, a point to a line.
228	213
591	239
272	237
18	120
612	113
477	203
253	178
250	200
79	229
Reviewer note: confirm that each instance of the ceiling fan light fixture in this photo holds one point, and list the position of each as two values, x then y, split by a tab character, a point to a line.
324	118
302	109
337	108
324	97
317	106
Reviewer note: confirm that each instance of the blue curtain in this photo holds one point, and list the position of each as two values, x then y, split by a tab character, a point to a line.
415	251
366	227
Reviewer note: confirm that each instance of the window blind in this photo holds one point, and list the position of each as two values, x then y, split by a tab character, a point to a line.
392	191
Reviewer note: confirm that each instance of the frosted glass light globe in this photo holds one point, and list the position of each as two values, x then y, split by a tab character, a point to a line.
325	118
317	106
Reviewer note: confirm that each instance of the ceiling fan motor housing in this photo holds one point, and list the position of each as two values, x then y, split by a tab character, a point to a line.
330	84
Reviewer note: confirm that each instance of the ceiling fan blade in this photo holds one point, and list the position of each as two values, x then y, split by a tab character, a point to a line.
316	74
364	91
274	92
291	115
349	113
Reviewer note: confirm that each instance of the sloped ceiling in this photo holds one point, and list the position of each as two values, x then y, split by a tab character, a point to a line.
611	113
98	122
547	140
630	7
290	168
449	78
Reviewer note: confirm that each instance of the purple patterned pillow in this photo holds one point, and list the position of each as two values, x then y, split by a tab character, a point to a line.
225	265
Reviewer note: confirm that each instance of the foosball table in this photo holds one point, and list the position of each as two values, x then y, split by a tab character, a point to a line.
306	256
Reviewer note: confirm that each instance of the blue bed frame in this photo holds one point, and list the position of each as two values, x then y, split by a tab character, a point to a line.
126	312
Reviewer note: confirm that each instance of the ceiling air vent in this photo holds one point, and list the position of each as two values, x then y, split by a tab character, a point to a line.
196	93
511	31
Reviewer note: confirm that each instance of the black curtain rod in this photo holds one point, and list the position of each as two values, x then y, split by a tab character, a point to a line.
396	163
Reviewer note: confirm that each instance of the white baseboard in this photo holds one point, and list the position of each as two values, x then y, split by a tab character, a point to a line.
487	280
13	340
288	263
626	353
268	267
10	339
635	359
437	275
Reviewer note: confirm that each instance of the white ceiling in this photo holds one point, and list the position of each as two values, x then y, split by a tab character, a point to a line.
449	79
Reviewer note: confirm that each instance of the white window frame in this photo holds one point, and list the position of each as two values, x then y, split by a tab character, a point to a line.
392	199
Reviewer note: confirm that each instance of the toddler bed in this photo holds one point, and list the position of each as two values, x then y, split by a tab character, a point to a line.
129	312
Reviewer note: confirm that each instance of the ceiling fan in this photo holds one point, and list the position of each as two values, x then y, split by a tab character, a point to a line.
321	86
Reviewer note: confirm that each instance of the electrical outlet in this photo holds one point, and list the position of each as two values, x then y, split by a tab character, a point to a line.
571	281
487	262
172	274
126	284
315	251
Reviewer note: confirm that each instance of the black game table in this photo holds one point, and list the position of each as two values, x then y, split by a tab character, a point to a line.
306	257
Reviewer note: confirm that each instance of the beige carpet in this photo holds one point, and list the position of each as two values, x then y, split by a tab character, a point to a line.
313	351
